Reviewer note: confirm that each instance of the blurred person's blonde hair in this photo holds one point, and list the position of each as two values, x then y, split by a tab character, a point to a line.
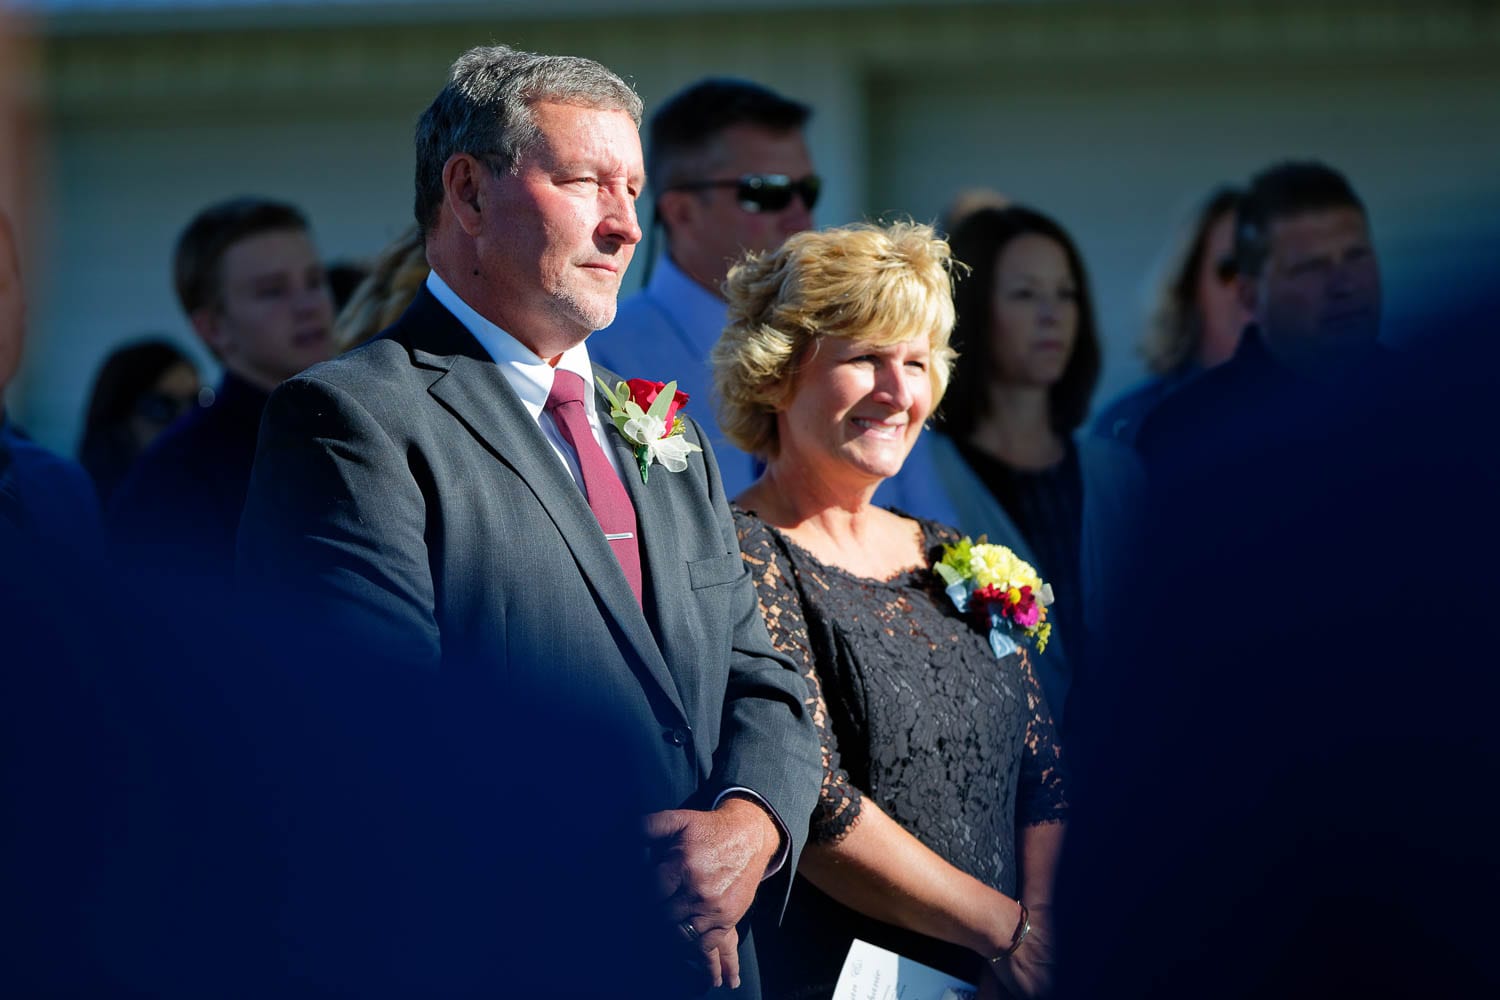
882	284
385	293
1174	325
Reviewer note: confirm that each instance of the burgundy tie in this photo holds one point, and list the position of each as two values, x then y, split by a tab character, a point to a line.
606	494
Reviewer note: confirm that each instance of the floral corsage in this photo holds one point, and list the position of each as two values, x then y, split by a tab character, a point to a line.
1000	590
646	413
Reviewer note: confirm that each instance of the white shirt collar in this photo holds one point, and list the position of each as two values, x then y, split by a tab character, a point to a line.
530	376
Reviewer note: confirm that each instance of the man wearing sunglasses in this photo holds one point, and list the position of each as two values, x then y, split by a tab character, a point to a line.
731	172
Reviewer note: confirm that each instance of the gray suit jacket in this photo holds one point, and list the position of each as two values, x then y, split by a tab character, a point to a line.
405	506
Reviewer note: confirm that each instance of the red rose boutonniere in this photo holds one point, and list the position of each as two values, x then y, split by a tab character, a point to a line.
646	413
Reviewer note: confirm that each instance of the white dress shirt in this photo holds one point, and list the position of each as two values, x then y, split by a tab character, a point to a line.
531	377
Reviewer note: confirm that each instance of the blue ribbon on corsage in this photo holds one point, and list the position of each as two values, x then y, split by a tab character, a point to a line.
1000	641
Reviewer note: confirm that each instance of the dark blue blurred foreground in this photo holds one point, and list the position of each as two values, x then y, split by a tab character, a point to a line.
197	806
1287	786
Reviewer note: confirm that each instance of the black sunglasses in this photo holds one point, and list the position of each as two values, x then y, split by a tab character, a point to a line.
763	192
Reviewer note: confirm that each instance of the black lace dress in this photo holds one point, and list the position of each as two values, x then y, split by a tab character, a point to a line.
914	711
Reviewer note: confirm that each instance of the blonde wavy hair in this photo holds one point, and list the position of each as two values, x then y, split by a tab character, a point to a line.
881	284
1174	327
385	293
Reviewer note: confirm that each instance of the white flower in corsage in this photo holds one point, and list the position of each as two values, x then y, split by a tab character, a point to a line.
1001	591
646	413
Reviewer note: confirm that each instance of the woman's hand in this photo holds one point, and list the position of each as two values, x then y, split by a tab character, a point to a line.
1027	973
990	988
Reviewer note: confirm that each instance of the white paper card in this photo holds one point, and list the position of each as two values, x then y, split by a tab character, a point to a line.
872	973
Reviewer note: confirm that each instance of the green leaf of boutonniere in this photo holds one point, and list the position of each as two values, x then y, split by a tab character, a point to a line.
663	402
620	391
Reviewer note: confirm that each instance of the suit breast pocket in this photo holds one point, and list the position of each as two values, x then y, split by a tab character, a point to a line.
715	571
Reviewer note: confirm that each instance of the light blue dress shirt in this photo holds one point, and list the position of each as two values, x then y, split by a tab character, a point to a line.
665	332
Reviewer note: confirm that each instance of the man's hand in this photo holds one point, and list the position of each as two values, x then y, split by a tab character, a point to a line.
708	867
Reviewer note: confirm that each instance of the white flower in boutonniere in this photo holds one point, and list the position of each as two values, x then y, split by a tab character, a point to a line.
646	413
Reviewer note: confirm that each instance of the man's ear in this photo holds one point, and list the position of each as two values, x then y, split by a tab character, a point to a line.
461	185
210	330
678	210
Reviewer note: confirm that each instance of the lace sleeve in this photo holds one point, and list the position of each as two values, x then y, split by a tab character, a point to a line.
781	607
1041	797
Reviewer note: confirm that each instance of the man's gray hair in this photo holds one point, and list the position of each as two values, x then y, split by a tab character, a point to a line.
485	111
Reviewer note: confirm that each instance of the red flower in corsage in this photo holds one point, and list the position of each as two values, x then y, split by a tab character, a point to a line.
644	392
1003	593
647	414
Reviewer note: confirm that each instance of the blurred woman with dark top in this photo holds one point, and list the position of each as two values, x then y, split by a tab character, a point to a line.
140	389
941	813
1007	452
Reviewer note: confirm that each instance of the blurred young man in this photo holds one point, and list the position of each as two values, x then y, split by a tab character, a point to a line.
251	283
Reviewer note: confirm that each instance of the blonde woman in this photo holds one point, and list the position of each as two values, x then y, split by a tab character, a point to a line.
1197	317
942	801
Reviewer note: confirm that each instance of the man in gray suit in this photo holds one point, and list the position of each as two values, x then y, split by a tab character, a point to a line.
454	496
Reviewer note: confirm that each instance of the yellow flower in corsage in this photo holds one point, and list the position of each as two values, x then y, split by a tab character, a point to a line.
1001	590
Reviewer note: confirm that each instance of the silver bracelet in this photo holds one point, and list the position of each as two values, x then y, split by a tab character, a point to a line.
1022	929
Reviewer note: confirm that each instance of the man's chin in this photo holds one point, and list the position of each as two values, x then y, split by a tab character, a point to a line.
592	316
571	318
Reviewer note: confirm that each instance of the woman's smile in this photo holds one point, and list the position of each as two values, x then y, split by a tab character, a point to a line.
882	428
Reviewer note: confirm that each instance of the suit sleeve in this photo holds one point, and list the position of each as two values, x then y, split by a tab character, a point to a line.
332	542
767	742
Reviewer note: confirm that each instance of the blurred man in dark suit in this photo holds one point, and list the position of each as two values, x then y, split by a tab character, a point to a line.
249	280
1309	276
1284	789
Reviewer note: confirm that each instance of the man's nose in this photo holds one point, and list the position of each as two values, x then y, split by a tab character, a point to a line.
620	222
1343	279
315	299
796	217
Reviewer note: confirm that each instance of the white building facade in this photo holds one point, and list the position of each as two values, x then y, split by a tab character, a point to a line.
1111	116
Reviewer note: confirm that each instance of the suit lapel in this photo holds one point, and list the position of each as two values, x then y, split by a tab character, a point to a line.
659	553
474	390
665	567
